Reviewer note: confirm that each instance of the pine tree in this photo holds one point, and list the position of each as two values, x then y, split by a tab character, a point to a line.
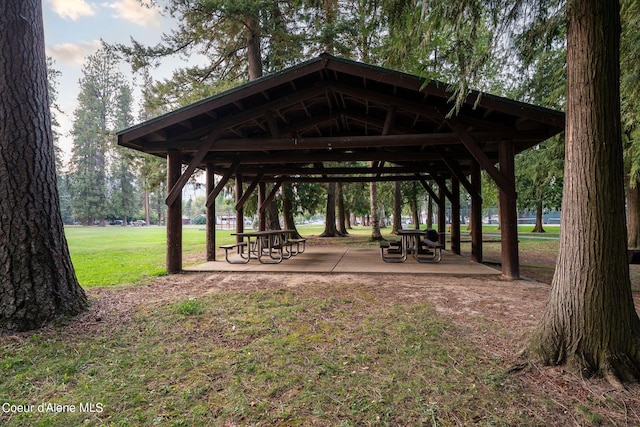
37	281
92	133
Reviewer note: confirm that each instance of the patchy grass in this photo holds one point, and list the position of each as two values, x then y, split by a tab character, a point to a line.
266	357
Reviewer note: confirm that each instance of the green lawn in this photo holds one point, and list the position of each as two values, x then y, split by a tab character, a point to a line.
104	256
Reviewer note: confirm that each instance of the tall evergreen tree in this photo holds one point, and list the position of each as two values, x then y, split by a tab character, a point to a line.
37	280
123	195
590	322
92	130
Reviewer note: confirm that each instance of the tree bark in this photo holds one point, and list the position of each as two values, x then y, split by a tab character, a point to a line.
37	280
590	323
429	212
254	57
342	214
374	219
538	228
397	208
287	212
414	207
330	229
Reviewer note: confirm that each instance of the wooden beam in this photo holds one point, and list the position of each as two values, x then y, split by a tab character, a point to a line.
240	203
176	189
500	179
455	169
272	194
347	179
323	142
211	198
355	170
429	190
327	156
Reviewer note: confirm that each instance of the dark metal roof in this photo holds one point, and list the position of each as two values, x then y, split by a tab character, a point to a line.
331	109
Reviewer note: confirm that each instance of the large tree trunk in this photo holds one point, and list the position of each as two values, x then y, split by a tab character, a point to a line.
37	280
397	208
342	213
633	214
287	212
254	57
374	219
414	207
330	229
590	323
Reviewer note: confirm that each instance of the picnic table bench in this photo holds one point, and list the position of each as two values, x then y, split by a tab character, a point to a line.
419	243
268	246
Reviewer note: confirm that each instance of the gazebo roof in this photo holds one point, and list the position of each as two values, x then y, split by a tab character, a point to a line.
329	109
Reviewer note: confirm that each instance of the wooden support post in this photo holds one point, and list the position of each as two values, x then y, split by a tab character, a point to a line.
508	214
239	209
455	216
211	216
476	213
174	214
442	216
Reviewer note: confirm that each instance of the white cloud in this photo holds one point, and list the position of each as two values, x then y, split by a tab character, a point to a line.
73	53
134	12
72	9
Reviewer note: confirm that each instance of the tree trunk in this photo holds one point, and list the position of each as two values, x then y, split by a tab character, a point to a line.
397	208
330	229
633	214
254	57
539	208
590	323
374	220
287	212
342	215
37	280
414	207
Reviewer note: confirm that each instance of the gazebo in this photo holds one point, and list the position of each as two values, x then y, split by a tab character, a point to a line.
297	124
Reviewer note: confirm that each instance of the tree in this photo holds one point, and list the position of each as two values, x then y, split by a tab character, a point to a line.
94	122
590	322
539	180
63	183
123	194
37	281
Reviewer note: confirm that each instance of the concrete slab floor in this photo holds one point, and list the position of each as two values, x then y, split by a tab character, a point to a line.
326	259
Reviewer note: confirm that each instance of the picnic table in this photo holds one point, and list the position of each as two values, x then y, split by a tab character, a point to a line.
414	242
268	246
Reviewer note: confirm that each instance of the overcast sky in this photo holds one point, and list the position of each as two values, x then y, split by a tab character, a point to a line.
73	30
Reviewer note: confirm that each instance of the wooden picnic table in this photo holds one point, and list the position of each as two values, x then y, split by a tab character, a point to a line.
268	246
